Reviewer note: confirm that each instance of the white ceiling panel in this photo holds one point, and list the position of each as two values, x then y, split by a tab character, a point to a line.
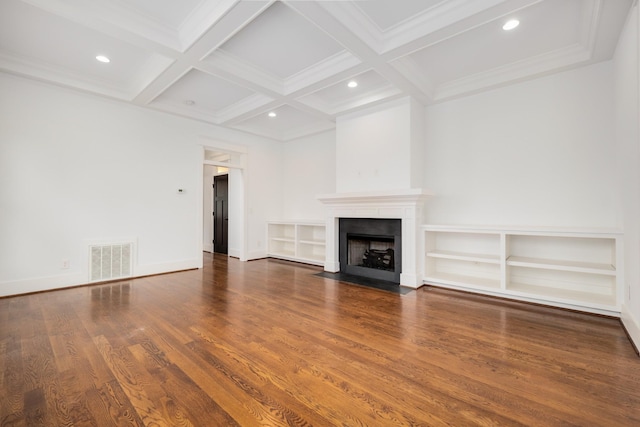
204	91
230	62
281	42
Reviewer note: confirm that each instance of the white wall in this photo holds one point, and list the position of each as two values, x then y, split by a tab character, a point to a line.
75	167
627	95
264	194
309	169
416	150
537	153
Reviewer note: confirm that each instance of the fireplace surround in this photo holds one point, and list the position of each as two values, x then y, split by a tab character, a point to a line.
405	205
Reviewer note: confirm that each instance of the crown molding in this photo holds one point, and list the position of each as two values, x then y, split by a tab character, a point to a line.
288	134
121	14
307	130
263	132
64	77
218	117
431	20
357	21
527	68
326	68
396	101
116	19
150	70
188	111
409	69
314	101
203	17
244	106
591	21
235	66
368	99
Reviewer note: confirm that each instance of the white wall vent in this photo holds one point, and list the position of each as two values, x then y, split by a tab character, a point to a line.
110	261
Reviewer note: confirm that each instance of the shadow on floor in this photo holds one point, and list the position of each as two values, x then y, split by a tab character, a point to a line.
382	285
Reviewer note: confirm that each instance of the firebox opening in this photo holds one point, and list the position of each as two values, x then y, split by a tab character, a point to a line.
371	251
371	247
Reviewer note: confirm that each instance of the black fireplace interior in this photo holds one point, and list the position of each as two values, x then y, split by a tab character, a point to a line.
371	247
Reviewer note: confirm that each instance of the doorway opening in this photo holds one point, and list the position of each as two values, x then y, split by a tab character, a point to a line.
213	224
223	214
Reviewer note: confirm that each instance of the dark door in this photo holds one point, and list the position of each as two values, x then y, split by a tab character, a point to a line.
221	213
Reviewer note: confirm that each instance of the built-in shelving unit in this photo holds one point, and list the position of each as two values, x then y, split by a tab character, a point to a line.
459	258
297	241
578	269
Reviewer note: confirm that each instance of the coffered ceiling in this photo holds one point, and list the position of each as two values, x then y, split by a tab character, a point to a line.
231	62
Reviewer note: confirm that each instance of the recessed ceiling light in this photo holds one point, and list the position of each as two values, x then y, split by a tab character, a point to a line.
272	114
352	84
510	24
103	58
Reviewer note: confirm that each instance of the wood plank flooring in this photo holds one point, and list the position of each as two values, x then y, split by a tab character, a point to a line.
268	343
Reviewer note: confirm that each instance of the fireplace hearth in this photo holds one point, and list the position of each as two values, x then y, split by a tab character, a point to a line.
371	247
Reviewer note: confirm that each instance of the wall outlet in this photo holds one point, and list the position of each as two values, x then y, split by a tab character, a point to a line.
66	263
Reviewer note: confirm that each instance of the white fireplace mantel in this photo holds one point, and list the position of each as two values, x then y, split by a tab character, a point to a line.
406	205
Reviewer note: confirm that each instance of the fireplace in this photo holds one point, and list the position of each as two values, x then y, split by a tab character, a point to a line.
407	205
370	247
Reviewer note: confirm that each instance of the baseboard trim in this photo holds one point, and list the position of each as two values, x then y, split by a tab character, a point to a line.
631	326
40	284
70	280
168	267
526	299
256	255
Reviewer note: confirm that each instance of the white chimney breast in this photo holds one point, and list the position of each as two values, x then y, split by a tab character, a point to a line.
378	175
379	149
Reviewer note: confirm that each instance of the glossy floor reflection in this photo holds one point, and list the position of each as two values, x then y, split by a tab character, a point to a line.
271	343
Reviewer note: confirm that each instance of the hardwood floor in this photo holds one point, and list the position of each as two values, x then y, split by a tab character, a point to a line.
269	343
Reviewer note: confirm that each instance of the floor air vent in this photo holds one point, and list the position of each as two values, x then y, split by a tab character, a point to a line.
110	261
